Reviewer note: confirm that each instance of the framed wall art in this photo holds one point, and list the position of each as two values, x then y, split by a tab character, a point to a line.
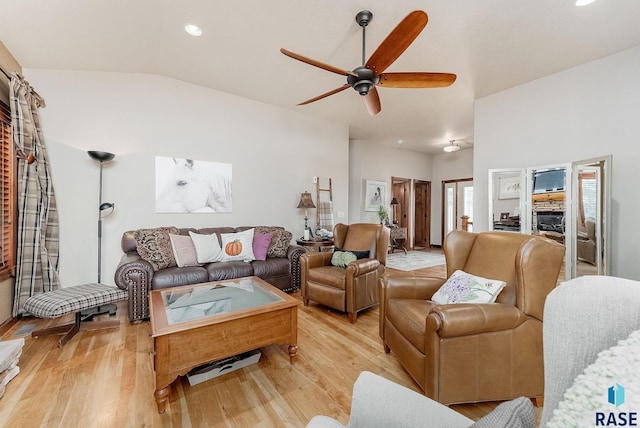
375	194
509	188
192	186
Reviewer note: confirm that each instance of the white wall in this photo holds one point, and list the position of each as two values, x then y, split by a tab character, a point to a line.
584	112
447	166
378	162
274	153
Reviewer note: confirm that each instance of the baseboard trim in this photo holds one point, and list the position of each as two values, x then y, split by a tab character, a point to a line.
6	326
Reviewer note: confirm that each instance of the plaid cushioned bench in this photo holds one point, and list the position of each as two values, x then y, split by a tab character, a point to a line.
55	304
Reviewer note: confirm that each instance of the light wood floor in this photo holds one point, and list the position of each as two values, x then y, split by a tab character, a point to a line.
105	378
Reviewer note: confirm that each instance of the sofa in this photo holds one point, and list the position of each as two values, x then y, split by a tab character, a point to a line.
152	257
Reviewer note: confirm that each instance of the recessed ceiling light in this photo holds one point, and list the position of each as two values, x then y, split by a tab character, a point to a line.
583	2
400	141
192	29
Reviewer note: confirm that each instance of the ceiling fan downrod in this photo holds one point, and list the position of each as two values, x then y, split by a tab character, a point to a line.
366	78
363	18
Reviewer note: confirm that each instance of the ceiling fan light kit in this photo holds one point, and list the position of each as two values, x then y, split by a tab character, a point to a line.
365	78
452	147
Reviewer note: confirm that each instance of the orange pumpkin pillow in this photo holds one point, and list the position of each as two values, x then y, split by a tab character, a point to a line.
237	246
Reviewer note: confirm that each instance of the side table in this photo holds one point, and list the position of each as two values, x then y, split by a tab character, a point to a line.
316	244
398	237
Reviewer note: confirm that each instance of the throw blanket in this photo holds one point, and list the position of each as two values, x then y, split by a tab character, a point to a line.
618	366
325	215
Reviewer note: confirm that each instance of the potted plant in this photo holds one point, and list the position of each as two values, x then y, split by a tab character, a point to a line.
383	214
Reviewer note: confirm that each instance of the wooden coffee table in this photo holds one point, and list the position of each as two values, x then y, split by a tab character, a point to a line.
195	324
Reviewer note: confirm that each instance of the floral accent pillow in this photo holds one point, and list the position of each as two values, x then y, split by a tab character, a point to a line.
237	246
462	287
155	247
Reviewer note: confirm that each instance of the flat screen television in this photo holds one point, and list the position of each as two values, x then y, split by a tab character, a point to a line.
548	180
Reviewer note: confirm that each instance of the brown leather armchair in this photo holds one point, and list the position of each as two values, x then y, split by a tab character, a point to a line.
355	287
469	352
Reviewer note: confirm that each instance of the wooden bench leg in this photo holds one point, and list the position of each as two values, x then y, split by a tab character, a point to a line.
72	332
69	330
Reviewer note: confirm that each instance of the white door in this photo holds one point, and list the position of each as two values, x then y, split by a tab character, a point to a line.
457	201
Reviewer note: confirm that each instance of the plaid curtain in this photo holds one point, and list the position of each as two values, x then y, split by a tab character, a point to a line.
38	246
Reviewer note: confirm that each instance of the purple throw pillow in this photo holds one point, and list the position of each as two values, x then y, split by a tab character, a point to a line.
261	243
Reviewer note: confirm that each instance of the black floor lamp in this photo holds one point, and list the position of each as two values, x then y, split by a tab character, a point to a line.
101	157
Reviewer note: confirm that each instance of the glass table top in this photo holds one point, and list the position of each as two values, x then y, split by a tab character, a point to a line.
214	298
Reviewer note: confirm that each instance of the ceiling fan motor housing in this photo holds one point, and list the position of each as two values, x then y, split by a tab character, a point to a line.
366	80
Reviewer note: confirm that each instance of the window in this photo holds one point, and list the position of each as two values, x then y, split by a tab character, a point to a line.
7	196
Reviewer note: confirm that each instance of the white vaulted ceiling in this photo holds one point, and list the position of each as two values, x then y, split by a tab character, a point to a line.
491	45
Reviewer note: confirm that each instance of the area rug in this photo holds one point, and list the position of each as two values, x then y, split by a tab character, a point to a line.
414	260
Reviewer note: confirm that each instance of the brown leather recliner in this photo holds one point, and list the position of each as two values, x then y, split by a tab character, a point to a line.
469	352
355	287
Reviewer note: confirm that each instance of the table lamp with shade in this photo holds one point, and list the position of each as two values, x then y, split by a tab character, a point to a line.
306	202
394	203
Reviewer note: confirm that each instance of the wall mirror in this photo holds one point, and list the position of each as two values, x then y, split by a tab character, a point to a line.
506	199
590	218
569	203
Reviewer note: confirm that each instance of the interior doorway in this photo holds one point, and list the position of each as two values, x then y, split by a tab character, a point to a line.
401	190
413	210
457	202
422	235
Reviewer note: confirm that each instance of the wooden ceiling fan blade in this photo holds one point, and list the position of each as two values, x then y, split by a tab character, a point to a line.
325	95
372	102
317	63
397	41
416	80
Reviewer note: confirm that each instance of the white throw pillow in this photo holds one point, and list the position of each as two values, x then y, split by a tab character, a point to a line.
207	247
462	287
237	246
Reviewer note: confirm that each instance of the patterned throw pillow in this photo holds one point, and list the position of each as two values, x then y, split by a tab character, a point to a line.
342	258
280	240
237	246
462	287
154	246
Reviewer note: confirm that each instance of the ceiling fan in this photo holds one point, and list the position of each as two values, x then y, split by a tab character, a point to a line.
370	74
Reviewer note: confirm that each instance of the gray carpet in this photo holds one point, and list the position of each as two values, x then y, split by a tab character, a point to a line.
414	260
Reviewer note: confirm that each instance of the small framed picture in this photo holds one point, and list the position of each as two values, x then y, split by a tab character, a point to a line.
509	188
